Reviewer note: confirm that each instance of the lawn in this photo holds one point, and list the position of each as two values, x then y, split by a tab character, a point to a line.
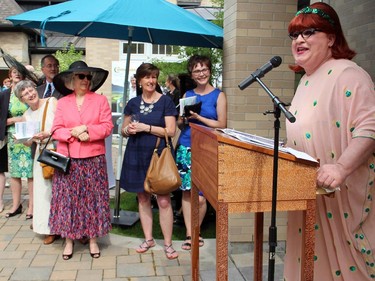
128	202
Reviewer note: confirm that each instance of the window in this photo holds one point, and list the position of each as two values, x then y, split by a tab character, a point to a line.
164	50
135	48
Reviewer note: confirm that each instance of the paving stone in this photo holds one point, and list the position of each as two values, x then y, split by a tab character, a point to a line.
136	270
92	275
29	274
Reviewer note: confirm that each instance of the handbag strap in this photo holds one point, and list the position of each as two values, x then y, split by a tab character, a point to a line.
50	136
166	140
44	115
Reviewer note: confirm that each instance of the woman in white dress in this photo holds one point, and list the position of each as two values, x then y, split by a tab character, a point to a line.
26	93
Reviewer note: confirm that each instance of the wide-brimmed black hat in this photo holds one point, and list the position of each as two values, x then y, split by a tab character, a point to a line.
62	81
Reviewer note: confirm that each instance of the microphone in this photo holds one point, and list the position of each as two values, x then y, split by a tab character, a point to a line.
260	72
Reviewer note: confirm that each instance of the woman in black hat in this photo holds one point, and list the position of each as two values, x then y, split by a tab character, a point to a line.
83	119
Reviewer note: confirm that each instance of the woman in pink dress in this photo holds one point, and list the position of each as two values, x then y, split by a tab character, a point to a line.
335	110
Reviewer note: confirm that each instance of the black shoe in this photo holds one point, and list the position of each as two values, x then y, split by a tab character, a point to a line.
15	213
69	256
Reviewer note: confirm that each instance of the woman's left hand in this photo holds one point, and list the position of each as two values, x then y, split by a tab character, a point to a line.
84	137
76	131
194	115
134	128
330	176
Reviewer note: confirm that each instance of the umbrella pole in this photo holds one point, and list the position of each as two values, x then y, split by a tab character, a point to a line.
123	218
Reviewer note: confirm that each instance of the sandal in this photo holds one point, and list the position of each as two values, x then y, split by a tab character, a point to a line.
145	246
170	253
201	241
186	245
29	216
68	256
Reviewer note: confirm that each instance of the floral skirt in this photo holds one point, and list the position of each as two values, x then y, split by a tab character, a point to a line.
80	200
183	161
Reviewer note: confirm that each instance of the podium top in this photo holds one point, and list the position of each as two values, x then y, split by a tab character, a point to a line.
221	137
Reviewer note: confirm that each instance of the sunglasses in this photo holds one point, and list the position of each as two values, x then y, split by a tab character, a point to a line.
82	76
305	33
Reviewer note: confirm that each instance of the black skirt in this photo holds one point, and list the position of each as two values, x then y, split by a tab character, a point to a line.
4	159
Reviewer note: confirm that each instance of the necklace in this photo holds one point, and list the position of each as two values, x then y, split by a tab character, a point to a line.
146	109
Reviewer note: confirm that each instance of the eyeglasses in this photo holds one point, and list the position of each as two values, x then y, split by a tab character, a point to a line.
51	66
28	92
204	71
82	76
305	33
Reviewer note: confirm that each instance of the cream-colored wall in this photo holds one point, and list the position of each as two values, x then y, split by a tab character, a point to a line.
16	45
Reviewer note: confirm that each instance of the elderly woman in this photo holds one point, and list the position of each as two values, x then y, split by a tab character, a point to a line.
26	93
83	119
335	109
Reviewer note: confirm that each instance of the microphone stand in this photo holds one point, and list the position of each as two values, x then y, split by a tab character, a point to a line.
278	107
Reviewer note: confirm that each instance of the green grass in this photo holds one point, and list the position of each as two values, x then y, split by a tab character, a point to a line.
128	202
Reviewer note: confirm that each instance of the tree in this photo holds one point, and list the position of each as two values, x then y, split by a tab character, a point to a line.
216	55
67	56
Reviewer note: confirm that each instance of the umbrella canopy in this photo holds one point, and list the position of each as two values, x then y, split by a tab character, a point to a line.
153	21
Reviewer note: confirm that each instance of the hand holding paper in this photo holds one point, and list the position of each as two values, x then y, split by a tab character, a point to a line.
26	130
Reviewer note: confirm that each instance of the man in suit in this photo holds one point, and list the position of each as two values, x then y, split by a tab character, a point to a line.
50	68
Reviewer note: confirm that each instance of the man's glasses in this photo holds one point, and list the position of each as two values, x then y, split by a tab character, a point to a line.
305	33
82	76
204	71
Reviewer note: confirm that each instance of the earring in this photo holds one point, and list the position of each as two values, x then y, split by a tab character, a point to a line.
140	86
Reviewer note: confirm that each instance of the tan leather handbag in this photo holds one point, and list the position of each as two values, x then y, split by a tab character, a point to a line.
162	175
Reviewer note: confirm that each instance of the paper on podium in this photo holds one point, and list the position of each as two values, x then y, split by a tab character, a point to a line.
24	131
266	142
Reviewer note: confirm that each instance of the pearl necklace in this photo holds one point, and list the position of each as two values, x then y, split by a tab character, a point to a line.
146	109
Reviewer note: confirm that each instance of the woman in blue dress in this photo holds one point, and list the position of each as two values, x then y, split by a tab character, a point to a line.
145	118
213	114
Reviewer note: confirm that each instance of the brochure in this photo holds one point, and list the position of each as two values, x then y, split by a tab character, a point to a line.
186	101
25	130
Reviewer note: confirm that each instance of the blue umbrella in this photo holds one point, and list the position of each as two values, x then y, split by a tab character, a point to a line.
152	21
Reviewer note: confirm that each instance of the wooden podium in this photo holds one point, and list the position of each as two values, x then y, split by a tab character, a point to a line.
236	177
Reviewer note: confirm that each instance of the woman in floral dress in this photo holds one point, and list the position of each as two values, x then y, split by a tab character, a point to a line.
19	156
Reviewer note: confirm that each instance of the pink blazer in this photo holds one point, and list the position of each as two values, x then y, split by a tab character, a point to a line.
95	114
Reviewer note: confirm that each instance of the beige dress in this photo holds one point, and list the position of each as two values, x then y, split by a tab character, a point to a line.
332	106
42	187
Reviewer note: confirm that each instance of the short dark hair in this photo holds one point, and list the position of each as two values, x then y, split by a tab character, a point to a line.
146	69
198	59
46	57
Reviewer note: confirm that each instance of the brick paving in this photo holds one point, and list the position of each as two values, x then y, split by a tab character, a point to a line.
24	257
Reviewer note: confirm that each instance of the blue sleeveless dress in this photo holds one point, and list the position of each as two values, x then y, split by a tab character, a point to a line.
183	156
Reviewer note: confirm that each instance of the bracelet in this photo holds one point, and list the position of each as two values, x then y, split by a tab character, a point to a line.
149	131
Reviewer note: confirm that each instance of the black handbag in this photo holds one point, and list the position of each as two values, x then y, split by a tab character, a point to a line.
193	107
54	159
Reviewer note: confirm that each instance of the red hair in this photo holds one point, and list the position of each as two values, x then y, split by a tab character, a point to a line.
331	26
